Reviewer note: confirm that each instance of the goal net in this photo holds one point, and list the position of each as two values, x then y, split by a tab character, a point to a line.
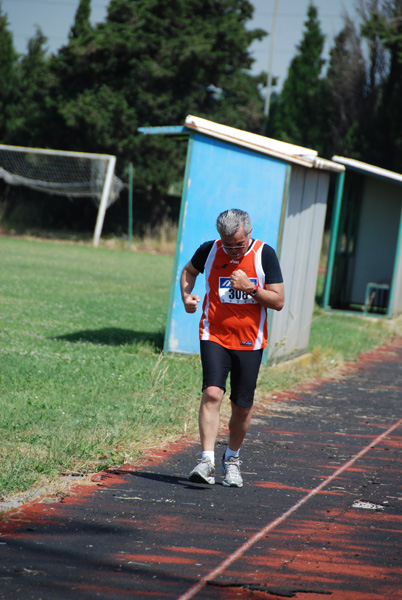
64	173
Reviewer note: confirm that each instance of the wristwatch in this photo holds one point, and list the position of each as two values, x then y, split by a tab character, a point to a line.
254	291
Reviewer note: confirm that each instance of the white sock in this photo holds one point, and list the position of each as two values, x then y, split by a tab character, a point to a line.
229	453
209	454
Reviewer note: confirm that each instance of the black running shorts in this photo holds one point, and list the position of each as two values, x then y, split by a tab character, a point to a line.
243	366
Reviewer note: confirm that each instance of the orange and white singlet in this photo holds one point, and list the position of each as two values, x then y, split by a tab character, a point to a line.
230	317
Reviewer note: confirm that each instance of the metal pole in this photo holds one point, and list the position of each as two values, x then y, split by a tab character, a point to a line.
271	54
107	186
336	213
130	205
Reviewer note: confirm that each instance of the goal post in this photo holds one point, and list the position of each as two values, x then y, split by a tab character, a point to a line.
64	173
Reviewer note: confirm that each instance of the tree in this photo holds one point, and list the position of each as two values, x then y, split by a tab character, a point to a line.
382	135
365	83
8	61
346	78
152	62
82	23
31	111
173	57
299	114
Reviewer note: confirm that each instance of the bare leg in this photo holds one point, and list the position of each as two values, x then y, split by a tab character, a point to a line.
209	416
238	425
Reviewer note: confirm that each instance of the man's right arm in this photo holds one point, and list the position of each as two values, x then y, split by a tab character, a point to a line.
187	282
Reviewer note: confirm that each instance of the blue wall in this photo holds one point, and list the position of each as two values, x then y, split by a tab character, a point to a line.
219	176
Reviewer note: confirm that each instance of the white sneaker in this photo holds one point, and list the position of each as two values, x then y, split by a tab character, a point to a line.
231	472
204	472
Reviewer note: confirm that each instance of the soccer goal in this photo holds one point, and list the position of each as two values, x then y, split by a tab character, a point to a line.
64	173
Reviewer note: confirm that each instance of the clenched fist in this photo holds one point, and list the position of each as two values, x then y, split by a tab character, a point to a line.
240	281
190	303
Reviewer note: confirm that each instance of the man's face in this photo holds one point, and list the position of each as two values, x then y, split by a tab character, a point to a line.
236	245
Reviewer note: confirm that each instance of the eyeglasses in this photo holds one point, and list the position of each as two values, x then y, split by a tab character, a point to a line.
240	247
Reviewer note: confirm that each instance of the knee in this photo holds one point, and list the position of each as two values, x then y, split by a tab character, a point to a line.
241	412
212	394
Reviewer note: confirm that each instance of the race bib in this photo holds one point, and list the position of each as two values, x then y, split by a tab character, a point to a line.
228	295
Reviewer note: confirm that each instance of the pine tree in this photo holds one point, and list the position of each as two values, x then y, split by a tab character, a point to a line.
8	61
82	23
347	87
153	62
32	109
298	115
381	135
366	86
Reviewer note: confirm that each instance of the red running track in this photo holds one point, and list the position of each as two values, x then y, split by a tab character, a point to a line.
320	514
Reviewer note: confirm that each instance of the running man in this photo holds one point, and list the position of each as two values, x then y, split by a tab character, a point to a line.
243	279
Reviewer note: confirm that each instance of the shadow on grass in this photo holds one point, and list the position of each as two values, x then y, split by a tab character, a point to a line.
114	336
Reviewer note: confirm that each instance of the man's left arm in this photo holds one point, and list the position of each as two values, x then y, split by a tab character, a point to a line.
270	296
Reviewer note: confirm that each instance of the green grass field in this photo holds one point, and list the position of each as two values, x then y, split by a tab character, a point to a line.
83	381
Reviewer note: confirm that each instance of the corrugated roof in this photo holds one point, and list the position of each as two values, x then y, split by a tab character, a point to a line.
357	165
289	152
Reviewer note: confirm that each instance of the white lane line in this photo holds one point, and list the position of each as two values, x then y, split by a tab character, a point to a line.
270	526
